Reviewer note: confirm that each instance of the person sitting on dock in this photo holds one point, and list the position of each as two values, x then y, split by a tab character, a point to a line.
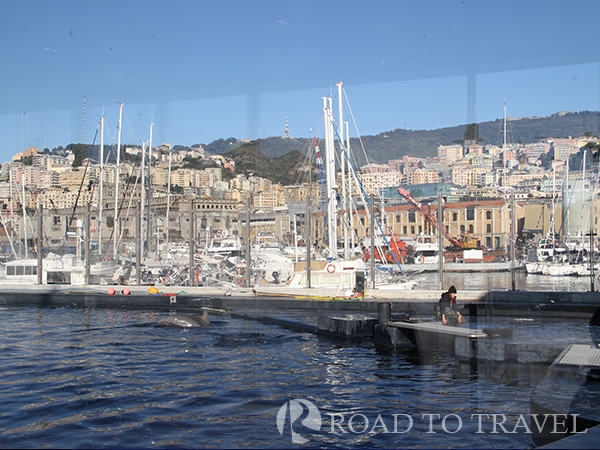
448	309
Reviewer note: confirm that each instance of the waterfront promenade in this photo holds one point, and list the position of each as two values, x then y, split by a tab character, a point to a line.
419	302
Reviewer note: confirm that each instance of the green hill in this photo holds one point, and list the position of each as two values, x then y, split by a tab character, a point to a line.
424	143
287	169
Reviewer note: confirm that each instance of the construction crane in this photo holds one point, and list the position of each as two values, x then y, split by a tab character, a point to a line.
428	216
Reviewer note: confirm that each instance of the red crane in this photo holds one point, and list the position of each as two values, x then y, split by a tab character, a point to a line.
428	216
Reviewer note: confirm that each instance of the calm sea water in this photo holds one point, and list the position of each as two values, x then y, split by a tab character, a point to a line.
101	378
503	281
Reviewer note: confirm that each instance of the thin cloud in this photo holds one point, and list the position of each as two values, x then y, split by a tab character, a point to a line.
281	22
50	50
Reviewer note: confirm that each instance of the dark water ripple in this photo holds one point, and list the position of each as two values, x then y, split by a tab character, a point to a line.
86	378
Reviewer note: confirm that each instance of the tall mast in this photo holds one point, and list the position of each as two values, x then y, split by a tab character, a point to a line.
349	194
566	206
330	171
116	220
340	87
552	226
148	222
101	190
583	197
24	212
143	194
168	205
504	150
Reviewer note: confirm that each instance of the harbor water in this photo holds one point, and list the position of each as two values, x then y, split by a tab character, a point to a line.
111	378
498	281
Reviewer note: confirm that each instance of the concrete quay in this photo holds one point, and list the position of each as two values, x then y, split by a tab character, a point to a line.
415	303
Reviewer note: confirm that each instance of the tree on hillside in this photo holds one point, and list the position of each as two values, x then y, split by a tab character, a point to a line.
595	148
80	152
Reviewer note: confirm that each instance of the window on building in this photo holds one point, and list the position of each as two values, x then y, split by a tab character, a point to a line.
412	217
454	217
412	229
404	230
56	220
470	228
488	215
471	214
488	228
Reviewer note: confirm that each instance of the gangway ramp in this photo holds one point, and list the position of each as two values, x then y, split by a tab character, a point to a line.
438	328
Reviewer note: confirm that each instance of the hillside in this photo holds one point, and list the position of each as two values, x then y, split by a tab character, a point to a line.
397	143
284	160
290	168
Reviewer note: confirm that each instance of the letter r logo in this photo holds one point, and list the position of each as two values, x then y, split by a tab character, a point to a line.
296	408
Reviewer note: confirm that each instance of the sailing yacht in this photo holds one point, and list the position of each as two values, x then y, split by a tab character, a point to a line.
340	275
550	257
426	250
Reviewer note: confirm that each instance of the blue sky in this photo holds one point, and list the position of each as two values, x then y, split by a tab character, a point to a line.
203	70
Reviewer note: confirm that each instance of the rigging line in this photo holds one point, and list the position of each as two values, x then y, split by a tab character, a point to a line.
130	199
8	235
131	132
300	175
363	192
362	145
80	186
119	209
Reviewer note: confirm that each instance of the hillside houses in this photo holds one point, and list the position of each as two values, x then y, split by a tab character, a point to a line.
535	173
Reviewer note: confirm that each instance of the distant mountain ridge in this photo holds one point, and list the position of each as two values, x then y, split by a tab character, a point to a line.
424	143
284	160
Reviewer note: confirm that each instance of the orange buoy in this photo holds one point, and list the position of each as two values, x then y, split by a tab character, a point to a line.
111	291
126	291
152	290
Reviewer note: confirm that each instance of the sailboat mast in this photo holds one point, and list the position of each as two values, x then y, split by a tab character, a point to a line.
552	225
330	172
142	193
583	197
169	204
340	86
148	222
101	187
116	220
504	151
24	214
566	206
349	181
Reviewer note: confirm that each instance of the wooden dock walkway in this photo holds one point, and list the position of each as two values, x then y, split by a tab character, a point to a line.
579	355
438	328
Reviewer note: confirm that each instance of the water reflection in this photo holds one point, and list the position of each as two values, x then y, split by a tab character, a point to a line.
87	378
503	281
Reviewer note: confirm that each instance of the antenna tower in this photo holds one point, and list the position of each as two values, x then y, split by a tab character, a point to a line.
286	133
84	121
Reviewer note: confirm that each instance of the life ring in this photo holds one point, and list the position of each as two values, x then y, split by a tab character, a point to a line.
330	268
